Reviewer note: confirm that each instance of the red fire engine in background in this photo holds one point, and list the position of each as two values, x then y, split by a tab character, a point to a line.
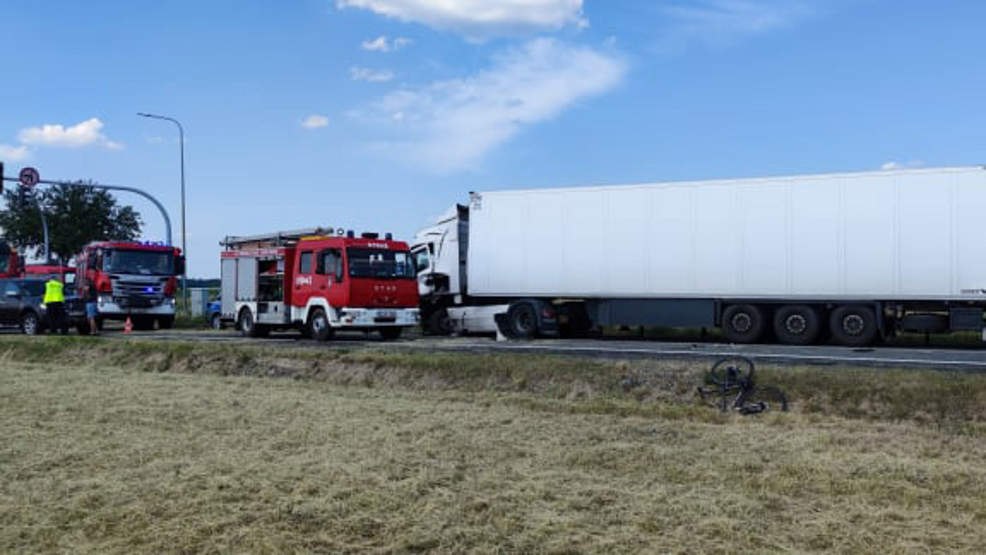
136	280
318	282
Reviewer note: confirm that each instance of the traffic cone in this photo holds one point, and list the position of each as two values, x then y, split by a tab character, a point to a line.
128	326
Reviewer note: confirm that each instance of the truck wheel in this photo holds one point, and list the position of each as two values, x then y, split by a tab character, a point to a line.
797	325
438	323
390	334
523	320
166	322
318	326
245	323
30	324
853	325
743	323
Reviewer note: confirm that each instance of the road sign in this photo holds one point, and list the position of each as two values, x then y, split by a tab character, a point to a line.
29	177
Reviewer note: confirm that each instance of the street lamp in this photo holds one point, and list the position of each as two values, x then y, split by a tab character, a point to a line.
181	153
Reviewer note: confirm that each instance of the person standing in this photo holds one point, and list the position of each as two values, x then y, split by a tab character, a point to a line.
91	299
55	305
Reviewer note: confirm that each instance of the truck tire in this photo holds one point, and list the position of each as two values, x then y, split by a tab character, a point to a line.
30	324
438	323
853	325
797	324
318	325
390	334
245	323
523	320
743	323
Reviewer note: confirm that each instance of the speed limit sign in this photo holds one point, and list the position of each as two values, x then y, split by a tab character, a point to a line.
29	177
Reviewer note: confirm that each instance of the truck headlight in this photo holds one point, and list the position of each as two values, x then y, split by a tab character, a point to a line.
104	299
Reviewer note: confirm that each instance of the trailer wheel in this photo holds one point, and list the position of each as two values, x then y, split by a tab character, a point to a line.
797	324
318	325
743	323
523	320
853	325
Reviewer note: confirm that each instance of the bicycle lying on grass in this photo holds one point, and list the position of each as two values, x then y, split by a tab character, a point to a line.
730	385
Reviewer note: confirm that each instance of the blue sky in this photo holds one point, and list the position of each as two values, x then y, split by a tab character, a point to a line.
298	113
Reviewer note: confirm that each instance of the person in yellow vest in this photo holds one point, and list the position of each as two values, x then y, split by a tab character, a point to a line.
55	305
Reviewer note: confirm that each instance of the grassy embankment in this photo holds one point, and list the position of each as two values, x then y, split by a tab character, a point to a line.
110	446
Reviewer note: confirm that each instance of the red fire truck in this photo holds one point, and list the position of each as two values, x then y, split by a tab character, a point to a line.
132	279
318	281
11	263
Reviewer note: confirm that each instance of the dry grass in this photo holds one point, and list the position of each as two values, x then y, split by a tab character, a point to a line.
179	448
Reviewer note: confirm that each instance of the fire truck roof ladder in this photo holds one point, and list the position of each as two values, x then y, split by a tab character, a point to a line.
277	238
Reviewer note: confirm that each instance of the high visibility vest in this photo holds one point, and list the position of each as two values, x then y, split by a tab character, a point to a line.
54	292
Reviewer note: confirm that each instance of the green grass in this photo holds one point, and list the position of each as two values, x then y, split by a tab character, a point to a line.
114	447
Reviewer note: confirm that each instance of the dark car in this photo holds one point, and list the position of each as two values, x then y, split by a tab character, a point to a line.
20	304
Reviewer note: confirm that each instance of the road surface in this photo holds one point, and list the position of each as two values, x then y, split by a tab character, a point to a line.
966	359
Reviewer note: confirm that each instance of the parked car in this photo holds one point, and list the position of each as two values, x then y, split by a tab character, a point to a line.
20	304
213	314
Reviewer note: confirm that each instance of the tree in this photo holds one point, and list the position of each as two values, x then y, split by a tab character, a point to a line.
76	216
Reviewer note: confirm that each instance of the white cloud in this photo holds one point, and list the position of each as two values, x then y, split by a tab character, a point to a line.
371	75
894	165
314	121
718	22
450	125
384	44
87	133
479	19
13	153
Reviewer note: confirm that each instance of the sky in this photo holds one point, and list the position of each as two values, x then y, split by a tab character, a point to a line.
377	115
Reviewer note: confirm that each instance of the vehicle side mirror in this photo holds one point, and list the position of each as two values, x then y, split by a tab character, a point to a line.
180	265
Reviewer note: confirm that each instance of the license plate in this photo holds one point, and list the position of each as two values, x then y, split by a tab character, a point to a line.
386	315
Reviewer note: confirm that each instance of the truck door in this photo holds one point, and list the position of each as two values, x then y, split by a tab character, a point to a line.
330	278
304	274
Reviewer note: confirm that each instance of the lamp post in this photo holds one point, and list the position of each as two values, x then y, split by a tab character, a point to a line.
181	154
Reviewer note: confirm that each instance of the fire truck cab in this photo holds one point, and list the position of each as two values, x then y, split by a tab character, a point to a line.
318	282
132	279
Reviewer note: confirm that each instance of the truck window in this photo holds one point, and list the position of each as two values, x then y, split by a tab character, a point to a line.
305	263
379	263
421	260
331	263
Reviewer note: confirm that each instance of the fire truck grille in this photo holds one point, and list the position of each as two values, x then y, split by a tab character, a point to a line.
138	293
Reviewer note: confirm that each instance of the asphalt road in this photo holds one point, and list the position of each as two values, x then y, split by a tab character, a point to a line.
964	359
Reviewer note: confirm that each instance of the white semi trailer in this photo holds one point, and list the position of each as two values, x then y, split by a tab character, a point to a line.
852	256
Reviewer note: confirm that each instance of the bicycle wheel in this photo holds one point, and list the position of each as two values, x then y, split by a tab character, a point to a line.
764	399
730	371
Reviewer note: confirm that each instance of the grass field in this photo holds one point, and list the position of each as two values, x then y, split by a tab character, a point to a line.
113	447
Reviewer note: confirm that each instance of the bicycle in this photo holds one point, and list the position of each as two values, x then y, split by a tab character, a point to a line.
730	384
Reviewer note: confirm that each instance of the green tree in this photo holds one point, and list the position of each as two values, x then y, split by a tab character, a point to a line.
76	216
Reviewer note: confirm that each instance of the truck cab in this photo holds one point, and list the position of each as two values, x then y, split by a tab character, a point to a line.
319	282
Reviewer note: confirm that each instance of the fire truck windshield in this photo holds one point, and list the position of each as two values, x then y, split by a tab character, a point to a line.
379	263
157	263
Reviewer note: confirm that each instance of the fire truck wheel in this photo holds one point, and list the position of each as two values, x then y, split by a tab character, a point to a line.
245	323
318	325
390	334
